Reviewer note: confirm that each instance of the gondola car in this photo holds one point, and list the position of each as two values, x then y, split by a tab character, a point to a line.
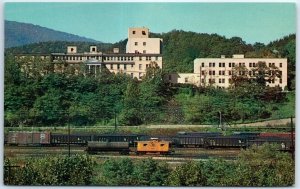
226	142
75	139
94	147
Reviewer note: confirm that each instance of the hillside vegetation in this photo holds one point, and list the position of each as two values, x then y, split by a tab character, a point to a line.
58	98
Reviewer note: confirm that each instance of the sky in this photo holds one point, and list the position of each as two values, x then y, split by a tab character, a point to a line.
109	22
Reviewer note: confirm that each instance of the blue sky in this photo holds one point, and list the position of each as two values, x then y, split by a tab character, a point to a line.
109	22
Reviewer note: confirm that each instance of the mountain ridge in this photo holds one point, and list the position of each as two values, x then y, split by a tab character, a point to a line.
19	34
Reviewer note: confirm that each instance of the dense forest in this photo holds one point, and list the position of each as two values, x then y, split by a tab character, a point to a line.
41	97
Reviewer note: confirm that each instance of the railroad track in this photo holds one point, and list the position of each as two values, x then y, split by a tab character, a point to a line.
181	154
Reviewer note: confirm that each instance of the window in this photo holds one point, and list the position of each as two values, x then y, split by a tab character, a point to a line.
186	80
223	64
125	66
148	57
118	58
229	72
131	75
111	66
144	43
144	32
131	65
220	64
213	64
72	49
220	81
202	64
156	58
118	66
229	64
203	72
233	64
270	64
250	64
133	32
280	65
140	58
209	73
135	43
140	66
136	52
140	75
220	73
213	72
280	80
144	51
223	80
202	80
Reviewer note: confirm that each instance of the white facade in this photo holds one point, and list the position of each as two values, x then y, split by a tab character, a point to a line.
218	71
140	43
131	63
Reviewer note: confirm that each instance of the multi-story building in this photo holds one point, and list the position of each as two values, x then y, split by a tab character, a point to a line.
141	51
218	72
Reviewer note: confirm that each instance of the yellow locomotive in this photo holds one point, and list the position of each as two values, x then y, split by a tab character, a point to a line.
153	146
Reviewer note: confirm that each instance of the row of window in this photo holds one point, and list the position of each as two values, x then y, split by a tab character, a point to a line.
107	58
125	66
93	68
136	43
118	58
232	64
222	80
222	72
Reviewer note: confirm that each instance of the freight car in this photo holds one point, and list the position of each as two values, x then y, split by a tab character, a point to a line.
283	144
28	138
226	142
153	146
75	139
197	139
131	138
94	147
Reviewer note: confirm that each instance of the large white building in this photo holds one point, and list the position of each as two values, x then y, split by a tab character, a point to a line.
218	71
141	51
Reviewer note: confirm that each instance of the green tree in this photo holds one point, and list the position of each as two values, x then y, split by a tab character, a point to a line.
117	172
150	173
265	166
131	112
188	174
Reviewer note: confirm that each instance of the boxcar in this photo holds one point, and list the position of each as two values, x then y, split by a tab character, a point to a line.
96	146
28	138
153	146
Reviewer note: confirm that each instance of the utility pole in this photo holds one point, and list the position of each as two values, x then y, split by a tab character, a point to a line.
69	147
115	119
220	118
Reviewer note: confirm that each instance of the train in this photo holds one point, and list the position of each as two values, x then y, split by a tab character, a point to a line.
144	144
